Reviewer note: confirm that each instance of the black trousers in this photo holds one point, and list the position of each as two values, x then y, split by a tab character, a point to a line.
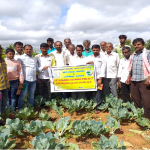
44	89
126	90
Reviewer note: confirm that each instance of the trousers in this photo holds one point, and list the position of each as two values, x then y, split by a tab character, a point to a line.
126	92
141	96
110	86
44	89
3	101
30	88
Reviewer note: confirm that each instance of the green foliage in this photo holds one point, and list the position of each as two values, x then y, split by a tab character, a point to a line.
63	124
129	42
26	113
111	143
96	127
76	105
38	101
147	44
35	127
59	110
143	122
49	125
44	115
89	105
120	113
15	126
46	141
80	128
51	103
8	112
5	143
113	124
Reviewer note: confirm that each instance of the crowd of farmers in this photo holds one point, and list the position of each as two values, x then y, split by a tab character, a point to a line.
115	67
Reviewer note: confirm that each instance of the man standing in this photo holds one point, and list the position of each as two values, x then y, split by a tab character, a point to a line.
118	48
71	52
139	70
112	60
50	43
67	42
102	45
61	58
100	66
123	74
29	66
79	59
45	61
4	86
87	51
18	46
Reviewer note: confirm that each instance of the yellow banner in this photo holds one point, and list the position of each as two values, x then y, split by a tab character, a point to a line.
73	78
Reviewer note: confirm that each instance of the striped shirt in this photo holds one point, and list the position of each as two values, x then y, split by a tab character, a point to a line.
14	70
4	84
137	68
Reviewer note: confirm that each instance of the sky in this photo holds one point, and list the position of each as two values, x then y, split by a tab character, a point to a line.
33	21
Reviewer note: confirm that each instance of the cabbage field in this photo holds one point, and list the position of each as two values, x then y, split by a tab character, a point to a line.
73	124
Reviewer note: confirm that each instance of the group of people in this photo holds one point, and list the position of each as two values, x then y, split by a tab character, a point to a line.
20	72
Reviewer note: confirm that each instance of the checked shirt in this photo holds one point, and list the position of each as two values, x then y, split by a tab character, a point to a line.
137	68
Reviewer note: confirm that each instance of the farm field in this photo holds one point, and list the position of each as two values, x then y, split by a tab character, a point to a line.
55	117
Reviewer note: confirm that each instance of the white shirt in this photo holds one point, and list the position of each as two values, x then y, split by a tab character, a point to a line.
71	56
123	72
112	61
100	65
29	67
76	60
17	55
102	53
42	62
62	58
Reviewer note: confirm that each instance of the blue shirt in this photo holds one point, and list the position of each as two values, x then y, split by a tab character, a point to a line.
84	53
49	51
137	68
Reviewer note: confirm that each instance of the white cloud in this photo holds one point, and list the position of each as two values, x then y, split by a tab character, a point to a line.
33	21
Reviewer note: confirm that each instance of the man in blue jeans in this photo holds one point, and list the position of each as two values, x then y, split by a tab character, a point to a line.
29	66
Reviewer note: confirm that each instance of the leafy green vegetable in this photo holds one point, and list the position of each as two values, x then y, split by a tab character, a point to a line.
5	143
8	112
46	141
35	127
80	128
44	115
120	113
96	127
104	107
49	125
59	110
63	125
39	100
136	112
15	126
51	103
90	105
143	122
26	113
111	143
113	124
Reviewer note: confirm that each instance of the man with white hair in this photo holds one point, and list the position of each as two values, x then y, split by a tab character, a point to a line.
102	45
112	60
87	51
67	42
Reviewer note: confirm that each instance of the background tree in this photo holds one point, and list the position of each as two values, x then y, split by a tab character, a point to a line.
129	42
147	44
